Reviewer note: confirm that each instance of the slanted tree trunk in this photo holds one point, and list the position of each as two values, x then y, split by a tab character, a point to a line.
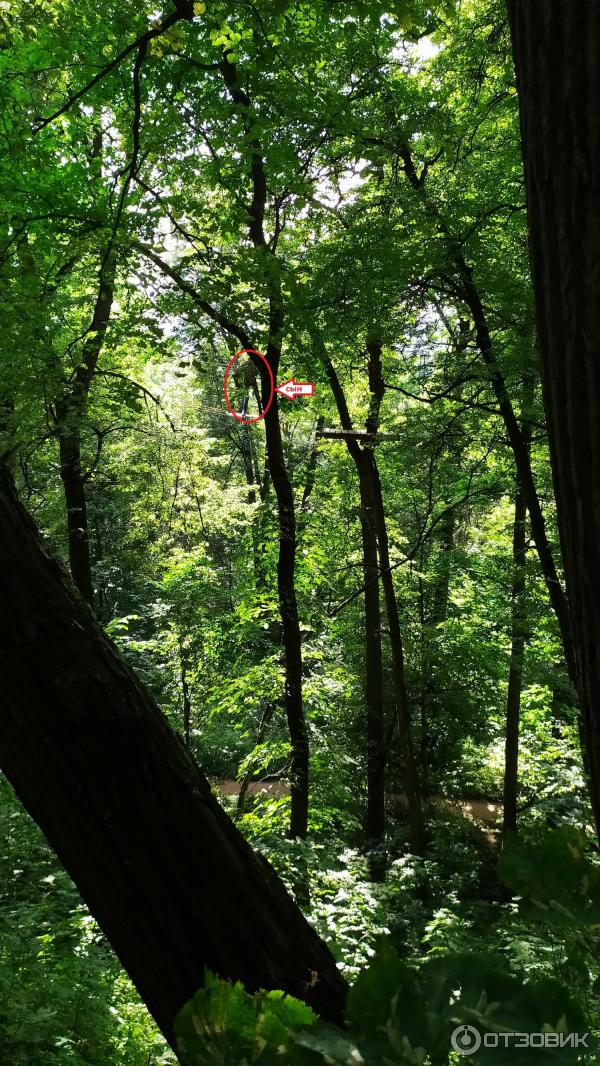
169	879
556	47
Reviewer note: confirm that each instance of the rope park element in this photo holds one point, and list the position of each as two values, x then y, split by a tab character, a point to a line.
246	378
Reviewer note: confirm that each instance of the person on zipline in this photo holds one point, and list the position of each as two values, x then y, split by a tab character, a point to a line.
245	377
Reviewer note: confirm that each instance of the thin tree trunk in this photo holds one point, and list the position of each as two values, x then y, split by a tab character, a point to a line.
375	814
311	474
288	606
430	620
376	747
522	460
368	475
556	47
72	477
469	292
518	627
286	563
69	411
185	697
411	777
517	649
163	870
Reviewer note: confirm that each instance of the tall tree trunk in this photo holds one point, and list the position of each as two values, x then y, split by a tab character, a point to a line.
290	623
278	475
375	814
162	868
286	563
411	777
376	747
557	56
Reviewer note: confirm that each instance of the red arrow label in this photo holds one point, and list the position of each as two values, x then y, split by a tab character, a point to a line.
292	388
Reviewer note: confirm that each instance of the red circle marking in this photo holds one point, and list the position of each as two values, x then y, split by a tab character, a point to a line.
238	417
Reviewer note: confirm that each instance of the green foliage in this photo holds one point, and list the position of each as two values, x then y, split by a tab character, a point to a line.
558	882
395	1015
223	1024
64	1000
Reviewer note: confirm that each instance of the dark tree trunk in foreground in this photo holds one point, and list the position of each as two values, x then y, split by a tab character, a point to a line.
164	871
557	55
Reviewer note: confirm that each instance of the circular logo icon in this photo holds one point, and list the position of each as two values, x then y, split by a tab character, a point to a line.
466	1039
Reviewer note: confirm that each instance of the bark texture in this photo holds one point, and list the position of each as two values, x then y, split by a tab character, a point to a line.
556	47
168	877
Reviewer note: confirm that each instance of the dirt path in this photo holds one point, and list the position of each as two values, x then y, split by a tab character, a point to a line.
482	812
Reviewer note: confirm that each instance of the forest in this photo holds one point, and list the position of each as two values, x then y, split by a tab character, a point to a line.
299	532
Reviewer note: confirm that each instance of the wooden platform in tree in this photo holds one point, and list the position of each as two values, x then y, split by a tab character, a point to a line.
354	434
